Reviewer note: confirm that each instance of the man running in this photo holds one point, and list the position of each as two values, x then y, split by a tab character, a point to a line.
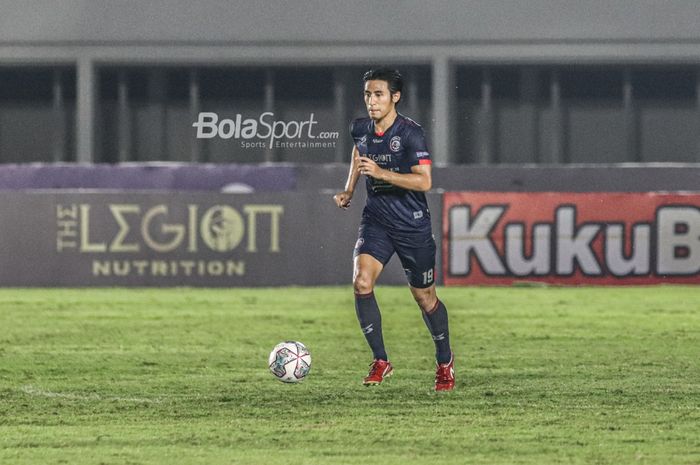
391	152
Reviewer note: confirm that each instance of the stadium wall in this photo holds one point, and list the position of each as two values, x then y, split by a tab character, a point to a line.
533	178
494	82
329	177
338	22
157	225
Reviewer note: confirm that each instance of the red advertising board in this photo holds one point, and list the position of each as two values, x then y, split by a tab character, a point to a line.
502	238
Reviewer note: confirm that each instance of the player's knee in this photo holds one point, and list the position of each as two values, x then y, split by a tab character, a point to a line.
363	284
426	301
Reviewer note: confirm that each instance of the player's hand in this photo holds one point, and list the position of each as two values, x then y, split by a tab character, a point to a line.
369	167
342	199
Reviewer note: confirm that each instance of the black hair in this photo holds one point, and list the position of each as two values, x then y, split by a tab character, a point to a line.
392	77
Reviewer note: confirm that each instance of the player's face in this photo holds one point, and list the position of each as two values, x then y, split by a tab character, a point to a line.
379	101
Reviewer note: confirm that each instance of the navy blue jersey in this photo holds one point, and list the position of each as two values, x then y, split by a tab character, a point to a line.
397	149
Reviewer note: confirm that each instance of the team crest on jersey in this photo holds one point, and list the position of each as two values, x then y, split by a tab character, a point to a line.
395	144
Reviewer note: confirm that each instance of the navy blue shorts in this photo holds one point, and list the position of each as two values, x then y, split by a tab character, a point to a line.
416	252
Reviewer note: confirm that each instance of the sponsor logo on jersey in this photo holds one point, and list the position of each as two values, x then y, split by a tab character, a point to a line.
380	157
418	215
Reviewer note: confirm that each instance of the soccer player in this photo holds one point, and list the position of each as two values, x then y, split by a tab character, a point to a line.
391	152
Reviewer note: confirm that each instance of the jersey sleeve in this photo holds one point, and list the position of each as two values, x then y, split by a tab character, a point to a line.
353	131
417	148
356	131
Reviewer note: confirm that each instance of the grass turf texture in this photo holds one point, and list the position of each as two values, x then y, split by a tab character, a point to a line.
545	375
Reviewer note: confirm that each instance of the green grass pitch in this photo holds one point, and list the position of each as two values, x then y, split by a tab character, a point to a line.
545	376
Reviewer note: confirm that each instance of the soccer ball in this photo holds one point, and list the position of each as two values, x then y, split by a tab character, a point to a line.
290	361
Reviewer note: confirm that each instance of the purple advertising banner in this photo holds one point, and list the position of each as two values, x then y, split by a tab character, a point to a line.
154	176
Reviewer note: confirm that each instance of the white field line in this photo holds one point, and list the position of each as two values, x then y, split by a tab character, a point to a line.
34	391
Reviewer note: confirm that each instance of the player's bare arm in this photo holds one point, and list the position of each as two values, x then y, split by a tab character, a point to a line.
420	178
342	199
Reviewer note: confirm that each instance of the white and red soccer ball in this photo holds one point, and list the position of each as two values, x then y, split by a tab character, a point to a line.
290	361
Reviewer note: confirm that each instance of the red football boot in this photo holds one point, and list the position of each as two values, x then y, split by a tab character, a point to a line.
379	369
445	375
